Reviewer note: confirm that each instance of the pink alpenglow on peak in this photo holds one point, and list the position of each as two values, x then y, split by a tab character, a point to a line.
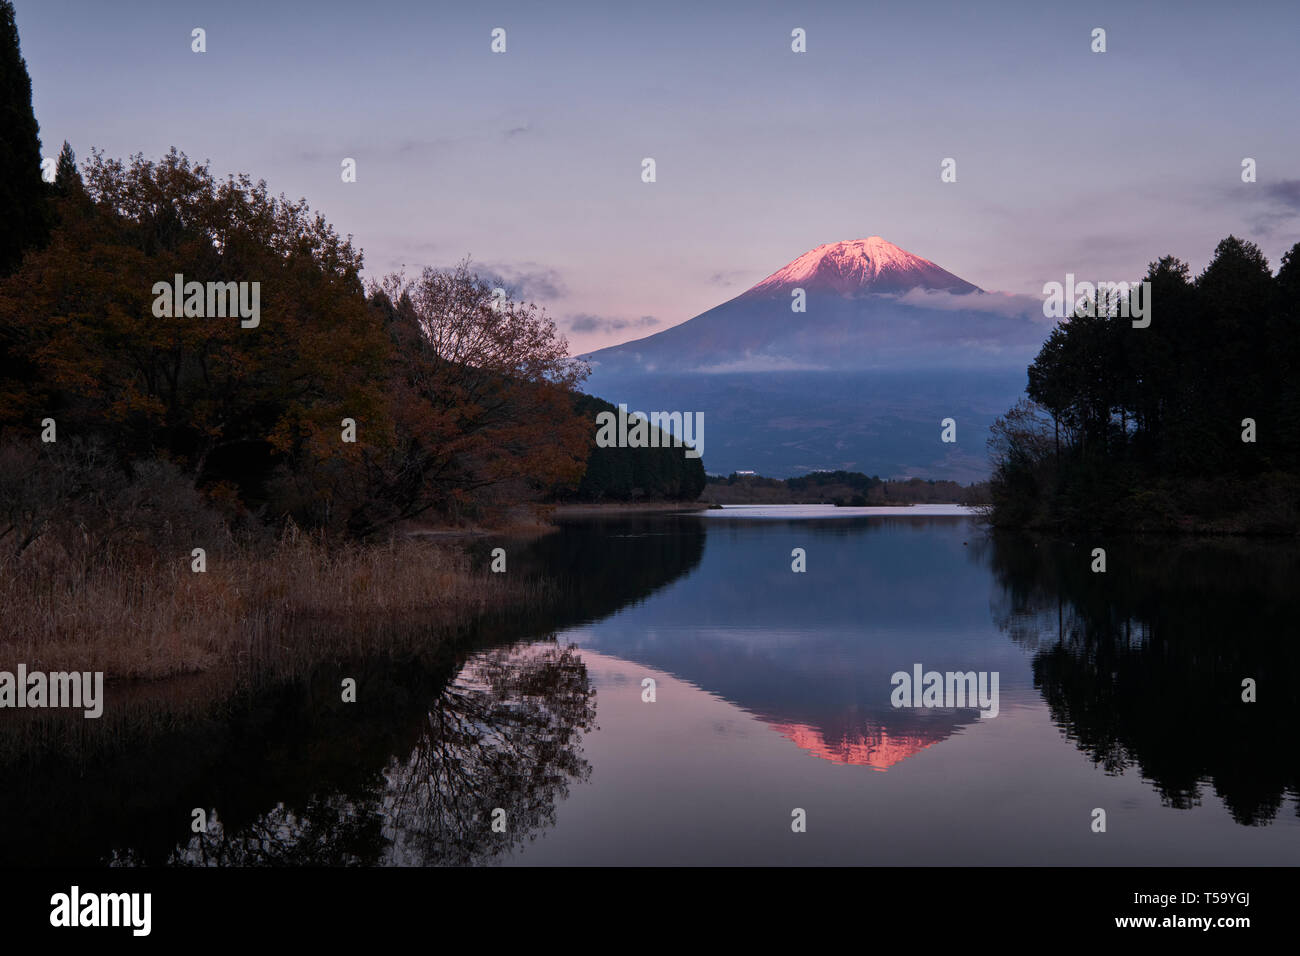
858	266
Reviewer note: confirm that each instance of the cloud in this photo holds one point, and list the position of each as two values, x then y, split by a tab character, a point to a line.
524	280
726	277
1281	202
420	147
760	363
585	322
1269	207
381	151
1006	304
1285	192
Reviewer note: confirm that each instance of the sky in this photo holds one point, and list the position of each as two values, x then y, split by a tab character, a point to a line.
529	162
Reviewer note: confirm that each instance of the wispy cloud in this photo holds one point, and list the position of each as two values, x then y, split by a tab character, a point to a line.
1277	205
585	322
1006	304
420	147
524	280
760	363
727	277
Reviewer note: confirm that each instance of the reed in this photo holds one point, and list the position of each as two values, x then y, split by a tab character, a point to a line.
277	608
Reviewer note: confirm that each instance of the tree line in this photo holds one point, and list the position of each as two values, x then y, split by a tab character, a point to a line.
1192	422
842	488
350	407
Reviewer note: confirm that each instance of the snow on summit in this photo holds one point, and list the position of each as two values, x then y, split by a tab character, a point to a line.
870	265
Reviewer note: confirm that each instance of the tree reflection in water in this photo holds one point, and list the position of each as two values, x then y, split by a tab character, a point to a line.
505	733
1142	666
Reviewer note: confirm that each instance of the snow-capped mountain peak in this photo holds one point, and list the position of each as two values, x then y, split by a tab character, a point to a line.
871	265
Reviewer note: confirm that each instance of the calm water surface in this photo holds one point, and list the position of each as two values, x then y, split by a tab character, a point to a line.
1119	691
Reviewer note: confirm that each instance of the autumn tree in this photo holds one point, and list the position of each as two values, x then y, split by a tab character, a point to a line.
479	394
231	405
431	396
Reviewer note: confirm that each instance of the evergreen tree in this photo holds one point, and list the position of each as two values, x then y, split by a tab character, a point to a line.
1284	338
1149	424
662	473
67	179
22	193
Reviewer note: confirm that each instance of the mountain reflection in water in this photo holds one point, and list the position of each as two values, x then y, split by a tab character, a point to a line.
1117	690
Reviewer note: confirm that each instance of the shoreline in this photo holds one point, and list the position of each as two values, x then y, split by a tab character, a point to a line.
254	612
627	507
540	519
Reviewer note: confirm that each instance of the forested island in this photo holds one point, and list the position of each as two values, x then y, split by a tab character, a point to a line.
851	489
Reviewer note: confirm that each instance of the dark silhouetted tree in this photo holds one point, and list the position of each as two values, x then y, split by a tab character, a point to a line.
22	193
1148	421
67	179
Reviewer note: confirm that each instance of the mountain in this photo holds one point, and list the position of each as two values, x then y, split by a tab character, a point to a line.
857	266
849	356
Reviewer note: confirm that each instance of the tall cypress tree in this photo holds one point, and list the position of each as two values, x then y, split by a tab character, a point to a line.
22	192
67	179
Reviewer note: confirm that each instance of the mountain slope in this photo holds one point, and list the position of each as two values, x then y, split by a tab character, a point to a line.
860	266
859	379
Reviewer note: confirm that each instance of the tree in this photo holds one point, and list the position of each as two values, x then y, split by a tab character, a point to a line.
22	193
480	402
1157	359
225	403
1021	449
1150	419
67	179
1284	340
1234	380
621	474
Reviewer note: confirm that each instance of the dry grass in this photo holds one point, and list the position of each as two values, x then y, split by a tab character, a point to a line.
277	609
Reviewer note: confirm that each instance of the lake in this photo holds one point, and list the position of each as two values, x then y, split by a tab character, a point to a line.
774	709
